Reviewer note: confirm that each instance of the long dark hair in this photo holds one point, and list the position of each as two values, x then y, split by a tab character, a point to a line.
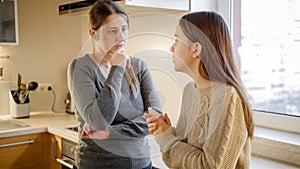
217	60
101	10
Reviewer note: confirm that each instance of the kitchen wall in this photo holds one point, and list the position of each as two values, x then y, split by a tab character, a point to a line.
47	43
150	38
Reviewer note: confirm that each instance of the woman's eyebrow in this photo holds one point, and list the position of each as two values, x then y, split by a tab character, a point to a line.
112	27
115	27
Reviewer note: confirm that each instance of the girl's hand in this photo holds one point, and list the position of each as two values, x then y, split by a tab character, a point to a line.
167	119
157	124
163	125
91	133
150	119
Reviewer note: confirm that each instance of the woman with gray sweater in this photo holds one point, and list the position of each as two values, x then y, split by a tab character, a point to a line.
111	92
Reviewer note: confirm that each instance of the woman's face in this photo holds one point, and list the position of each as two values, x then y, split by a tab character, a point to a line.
182	54
114	34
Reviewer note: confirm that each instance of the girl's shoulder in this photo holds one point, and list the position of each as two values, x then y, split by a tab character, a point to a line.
137	61
232	94
138	64
83	64
82	60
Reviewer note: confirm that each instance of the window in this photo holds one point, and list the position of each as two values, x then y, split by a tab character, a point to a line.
266	36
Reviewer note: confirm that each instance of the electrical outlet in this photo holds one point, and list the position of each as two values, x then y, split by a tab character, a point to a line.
43	87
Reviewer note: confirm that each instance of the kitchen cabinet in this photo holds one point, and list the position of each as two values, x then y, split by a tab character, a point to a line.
32	151
53	151
24	152
179	6
62	152
8	23
37	143
166	4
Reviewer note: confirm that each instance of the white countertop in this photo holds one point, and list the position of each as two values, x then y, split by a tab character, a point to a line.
56	123
39	122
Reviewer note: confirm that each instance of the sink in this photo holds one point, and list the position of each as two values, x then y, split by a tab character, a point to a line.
7	124
73	129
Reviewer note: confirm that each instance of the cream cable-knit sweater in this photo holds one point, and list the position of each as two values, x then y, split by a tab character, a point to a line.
210	132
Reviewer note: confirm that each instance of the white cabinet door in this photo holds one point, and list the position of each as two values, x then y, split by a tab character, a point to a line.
223	7
183	5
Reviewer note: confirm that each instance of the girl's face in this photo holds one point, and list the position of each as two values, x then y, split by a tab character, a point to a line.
113	35
182	53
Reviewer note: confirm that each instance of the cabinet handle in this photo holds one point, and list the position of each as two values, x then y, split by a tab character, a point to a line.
17	143
53	147
4	57
61	161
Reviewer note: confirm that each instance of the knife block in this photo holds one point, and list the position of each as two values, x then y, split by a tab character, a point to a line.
18	110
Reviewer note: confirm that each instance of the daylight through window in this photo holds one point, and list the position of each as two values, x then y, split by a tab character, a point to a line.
270	53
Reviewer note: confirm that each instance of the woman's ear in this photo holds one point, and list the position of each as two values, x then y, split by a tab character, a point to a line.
93	34
197	49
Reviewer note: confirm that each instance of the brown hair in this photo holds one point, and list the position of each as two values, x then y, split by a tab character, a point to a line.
98	14
217	60
101	10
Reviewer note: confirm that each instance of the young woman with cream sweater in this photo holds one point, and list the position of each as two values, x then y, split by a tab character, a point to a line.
215	126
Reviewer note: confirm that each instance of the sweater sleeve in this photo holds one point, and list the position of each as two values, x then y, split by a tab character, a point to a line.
137	127
148	90
221	150
129	129
89	104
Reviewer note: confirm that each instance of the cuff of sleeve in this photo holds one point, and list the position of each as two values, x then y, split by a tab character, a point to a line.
114	134
117	69
114	79
116	72
165	140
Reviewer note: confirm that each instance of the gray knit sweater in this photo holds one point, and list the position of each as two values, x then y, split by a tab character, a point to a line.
110	104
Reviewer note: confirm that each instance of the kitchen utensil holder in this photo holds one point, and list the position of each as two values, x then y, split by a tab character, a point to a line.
18	110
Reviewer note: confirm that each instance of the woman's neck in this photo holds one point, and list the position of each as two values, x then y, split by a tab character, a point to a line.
97	59
200	82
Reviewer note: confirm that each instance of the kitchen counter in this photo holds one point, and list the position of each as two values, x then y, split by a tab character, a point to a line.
57	124
39	122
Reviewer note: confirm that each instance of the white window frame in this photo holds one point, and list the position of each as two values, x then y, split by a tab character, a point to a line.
262	119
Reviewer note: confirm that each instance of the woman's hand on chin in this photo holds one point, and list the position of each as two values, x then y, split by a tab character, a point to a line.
117	57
